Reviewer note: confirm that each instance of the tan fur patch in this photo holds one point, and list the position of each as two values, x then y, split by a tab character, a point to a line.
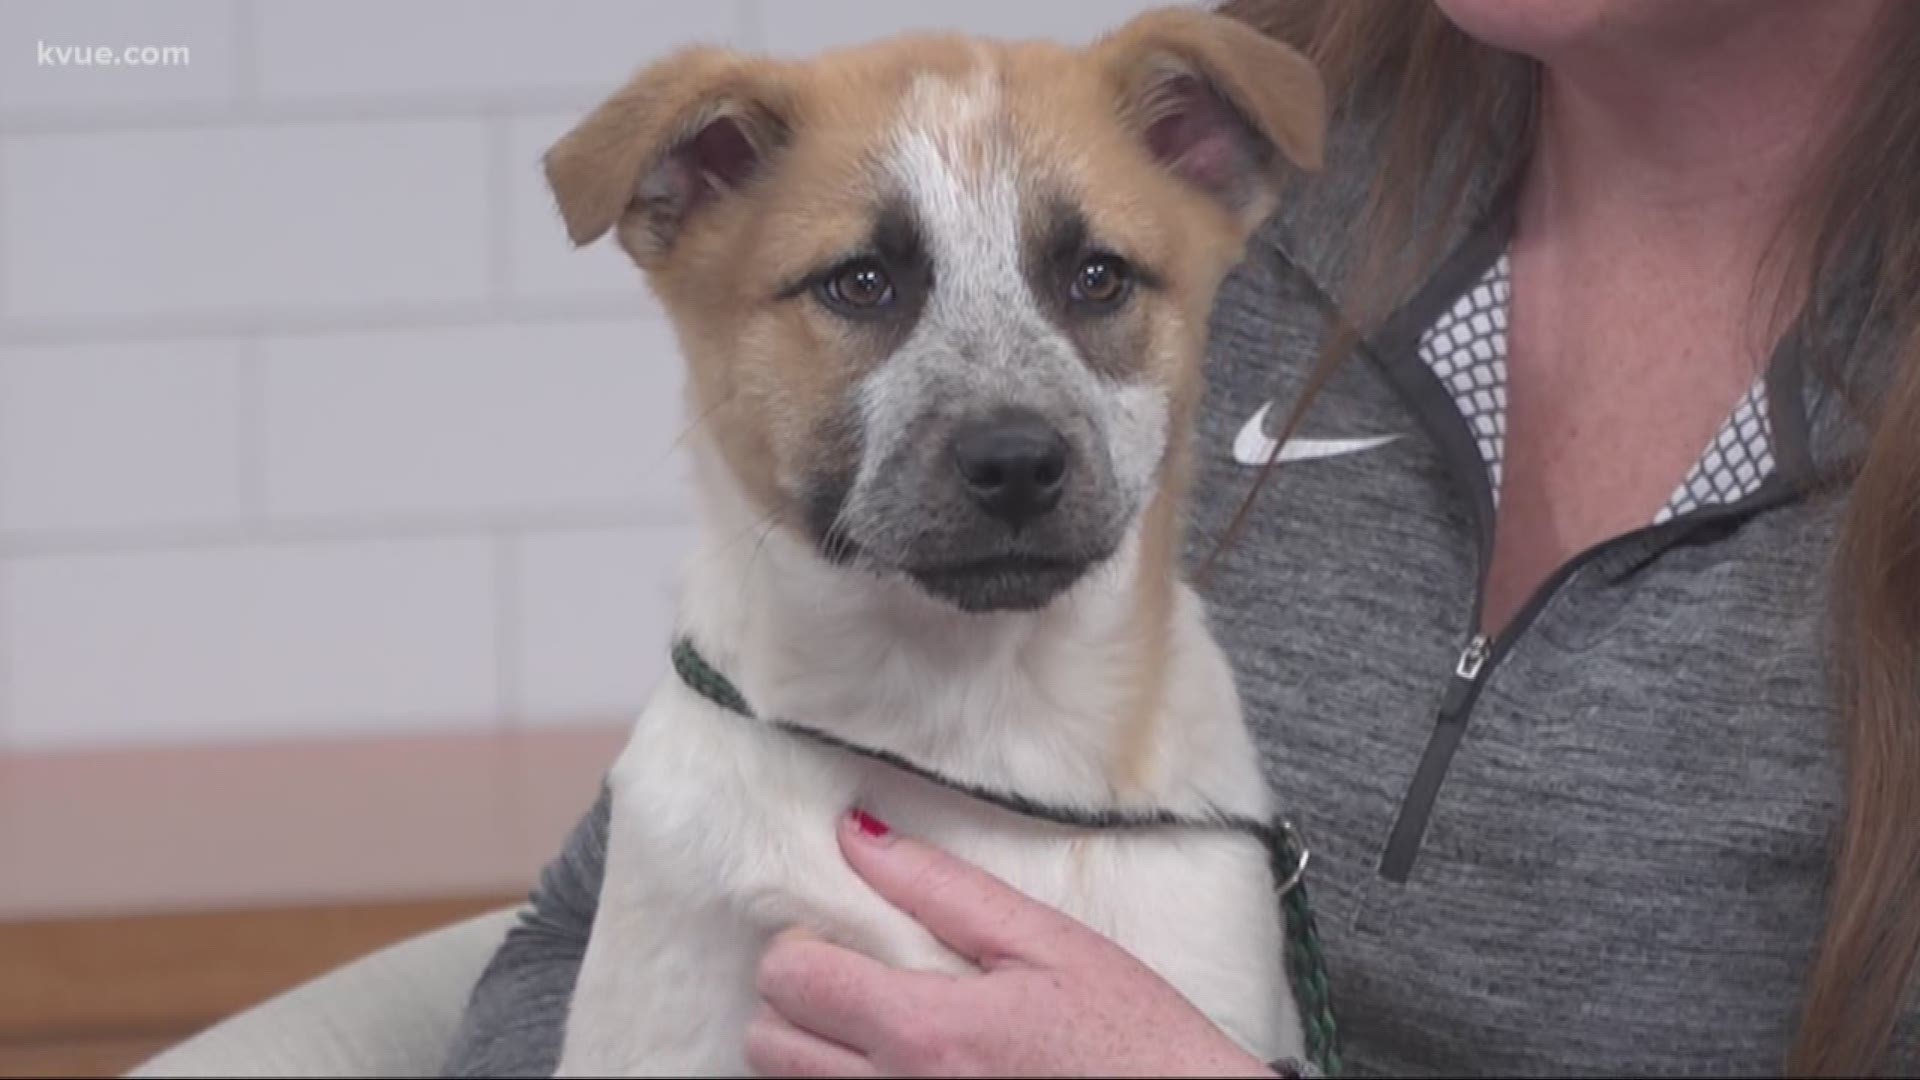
769	374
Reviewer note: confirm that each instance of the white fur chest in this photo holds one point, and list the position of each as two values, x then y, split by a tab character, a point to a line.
723	834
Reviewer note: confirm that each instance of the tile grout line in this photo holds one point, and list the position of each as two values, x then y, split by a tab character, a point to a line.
255	111
509	549
5	245
499	126
143	329
252	435
246	53
270	532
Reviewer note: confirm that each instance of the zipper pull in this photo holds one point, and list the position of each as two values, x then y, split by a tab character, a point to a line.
1466	674
1396	859
1473	658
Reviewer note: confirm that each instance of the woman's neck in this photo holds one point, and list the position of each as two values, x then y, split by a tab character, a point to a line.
1646	292
1709	131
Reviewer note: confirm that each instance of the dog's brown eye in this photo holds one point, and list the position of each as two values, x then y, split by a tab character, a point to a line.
860	285
1100	280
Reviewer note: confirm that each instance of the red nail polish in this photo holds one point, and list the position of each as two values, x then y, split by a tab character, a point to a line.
869	825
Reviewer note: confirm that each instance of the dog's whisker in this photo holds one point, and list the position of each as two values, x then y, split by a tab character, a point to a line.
836	534
746	575
700	421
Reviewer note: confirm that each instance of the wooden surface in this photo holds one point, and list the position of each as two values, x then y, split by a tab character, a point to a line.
95	996
139	831
147	893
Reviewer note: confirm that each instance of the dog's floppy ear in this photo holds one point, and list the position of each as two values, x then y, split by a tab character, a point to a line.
1218	103
684	132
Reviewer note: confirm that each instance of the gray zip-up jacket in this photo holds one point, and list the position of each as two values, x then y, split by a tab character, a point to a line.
1597	843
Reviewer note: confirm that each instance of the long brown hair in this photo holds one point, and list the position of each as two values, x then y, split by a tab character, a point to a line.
1435	85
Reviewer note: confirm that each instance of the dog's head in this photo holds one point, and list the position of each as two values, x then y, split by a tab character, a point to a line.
944	300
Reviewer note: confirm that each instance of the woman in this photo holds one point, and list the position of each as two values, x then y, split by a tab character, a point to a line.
1618	778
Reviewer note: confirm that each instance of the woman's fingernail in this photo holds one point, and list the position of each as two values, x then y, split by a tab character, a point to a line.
870	827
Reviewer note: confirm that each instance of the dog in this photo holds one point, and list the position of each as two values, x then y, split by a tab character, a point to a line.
943	302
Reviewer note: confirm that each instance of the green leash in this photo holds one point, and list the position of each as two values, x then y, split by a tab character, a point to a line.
1306	962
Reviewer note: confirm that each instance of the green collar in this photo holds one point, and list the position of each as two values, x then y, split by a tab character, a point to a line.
1288	854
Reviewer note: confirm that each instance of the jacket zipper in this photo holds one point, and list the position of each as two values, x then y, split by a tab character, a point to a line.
1476	662
1481	657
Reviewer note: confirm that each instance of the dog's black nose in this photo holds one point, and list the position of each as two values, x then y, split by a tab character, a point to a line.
1014	464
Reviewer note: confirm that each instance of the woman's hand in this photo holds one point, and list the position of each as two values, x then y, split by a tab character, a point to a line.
1053	997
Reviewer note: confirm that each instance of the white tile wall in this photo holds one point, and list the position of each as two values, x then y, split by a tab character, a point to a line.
372	49
105	437
594	609
803	27
250	641
447	420
245	221
310	419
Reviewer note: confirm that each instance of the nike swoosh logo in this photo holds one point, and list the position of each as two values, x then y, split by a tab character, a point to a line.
1253	446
